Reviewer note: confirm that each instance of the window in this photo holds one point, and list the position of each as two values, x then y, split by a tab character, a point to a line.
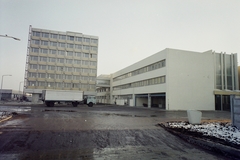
35	50
58	68
42	67
69	61
76	61
45	51
86	40
32	83
84	78
60	60
42	84
78	46
76	77
58	84
43	59
91	86
51	67
61	52
70	45
60	44
69	77
84	70
37	34
71	38
53	44
77	54
50	84
94	48
34	58
63	37
33	66
92	78
85	63
93	56
69	53
53	36
76	85
41	75
84	86
86	55
67	85
93	71
78	39
32	75
37	42
94	41
93	63
86	47
50	76
45	35
77	69
45	43
69	69
52	51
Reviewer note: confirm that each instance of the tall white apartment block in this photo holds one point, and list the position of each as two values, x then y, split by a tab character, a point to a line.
60	60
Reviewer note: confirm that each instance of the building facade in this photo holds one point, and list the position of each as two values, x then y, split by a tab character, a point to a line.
178	80
103	89
60	60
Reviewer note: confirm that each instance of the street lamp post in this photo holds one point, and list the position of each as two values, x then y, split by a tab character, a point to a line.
2	85
10	37
19	89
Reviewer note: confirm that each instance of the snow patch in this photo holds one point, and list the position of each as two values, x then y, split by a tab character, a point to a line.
223	131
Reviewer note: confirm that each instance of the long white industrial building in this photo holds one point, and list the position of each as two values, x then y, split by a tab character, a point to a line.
175	80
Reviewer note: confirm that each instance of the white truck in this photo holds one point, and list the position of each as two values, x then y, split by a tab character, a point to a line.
50	97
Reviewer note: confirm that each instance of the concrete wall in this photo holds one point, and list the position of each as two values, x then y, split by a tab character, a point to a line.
190	80
35	97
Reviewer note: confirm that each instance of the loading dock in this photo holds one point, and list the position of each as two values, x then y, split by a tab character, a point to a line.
157	100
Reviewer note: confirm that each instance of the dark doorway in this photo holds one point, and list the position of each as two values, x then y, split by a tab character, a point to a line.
226	103
218	102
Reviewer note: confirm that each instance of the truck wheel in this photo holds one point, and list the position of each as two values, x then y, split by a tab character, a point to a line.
47	104
51	104
74	104
90	104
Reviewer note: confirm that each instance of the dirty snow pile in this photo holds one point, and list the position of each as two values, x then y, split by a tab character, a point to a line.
219	130
4	114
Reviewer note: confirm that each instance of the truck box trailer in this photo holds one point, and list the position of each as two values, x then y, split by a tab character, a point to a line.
50	97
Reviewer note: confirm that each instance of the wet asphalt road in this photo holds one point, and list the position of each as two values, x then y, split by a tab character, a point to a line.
100	132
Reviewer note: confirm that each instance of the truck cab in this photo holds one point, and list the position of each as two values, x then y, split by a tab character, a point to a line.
89	100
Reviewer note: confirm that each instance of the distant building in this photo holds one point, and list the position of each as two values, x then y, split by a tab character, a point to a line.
9	94
103	89
60	60
177	80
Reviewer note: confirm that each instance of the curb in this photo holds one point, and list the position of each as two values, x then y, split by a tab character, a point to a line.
6	119
206	144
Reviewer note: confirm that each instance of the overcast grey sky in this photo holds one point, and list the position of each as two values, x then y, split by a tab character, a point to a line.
128	30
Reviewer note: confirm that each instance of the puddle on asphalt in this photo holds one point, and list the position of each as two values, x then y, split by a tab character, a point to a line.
15	109
55	110
128	115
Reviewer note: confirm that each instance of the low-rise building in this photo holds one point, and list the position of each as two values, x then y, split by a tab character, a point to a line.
178	80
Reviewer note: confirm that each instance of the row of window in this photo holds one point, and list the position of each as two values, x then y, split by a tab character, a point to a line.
148	68
64	37
62	60
153	81
63	45
63	53
61	68
61	85
60	76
